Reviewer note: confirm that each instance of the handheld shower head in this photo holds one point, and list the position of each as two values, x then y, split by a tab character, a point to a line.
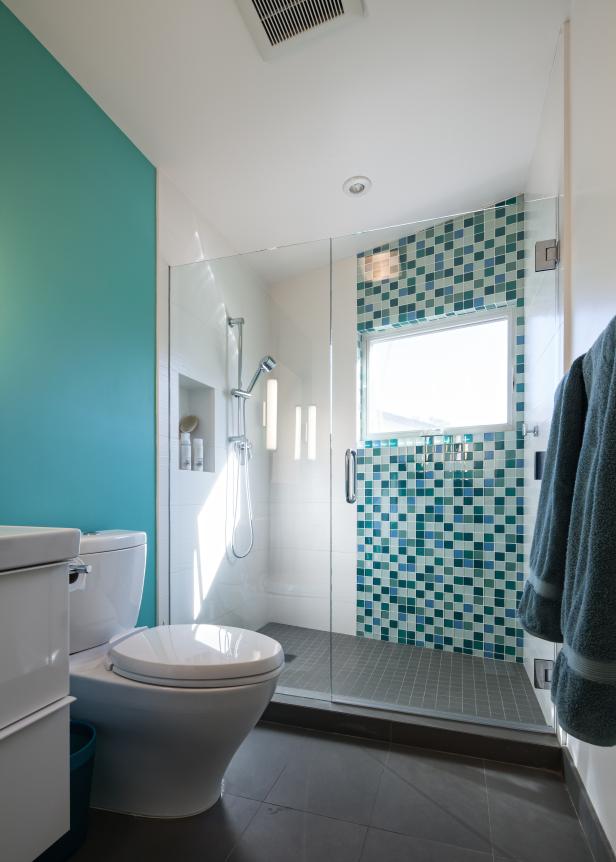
267	363
265	366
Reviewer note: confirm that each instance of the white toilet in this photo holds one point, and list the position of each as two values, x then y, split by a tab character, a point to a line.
171	704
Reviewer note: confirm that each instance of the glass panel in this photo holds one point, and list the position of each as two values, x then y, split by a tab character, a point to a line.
250	532
543	358
428	564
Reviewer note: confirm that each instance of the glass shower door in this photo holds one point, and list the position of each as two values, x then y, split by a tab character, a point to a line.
431	464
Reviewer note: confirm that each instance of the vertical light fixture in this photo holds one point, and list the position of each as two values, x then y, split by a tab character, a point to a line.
297	448
312	432
271	415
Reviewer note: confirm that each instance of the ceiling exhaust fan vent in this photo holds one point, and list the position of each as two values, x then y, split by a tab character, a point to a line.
275	23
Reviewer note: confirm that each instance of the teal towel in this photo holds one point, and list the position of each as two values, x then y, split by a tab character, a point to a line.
539	610
584	681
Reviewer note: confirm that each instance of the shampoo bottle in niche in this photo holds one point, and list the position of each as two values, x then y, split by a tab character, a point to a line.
197	453
185	451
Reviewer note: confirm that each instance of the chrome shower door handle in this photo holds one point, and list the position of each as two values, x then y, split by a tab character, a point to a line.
350	475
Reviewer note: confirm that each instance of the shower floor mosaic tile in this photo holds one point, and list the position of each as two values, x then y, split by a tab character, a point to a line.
405	678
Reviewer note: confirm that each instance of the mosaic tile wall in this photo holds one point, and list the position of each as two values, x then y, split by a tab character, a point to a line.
440	519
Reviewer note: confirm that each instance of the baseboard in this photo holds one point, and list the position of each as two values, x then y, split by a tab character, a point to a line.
541	750
597	839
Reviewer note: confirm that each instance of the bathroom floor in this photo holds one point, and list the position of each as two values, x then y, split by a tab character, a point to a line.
405	677
297	796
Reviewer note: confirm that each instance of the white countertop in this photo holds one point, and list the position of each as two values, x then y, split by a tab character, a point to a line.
24	547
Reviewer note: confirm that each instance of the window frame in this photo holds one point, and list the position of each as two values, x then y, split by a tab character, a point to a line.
471	318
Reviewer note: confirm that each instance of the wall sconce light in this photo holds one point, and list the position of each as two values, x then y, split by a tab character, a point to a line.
271	415
312	433
297	448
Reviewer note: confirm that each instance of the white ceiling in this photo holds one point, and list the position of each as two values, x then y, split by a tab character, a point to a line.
437	101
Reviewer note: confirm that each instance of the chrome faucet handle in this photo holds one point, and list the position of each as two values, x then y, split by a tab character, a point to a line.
530	430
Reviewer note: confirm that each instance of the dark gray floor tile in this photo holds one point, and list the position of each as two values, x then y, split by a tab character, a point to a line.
259	761
284	835
110	836
390	847
436	804
207	837
532	816
331	776
435	797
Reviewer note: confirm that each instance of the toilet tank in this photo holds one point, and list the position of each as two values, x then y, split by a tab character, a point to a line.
105	601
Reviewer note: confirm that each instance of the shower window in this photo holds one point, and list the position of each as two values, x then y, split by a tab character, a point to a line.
453	375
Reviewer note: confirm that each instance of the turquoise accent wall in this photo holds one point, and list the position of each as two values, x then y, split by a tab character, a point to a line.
77	306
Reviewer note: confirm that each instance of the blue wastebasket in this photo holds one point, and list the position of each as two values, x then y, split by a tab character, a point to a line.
83	744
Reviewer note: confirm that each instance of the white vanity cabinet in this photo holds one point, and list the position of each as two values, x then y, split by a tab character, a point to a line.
34	685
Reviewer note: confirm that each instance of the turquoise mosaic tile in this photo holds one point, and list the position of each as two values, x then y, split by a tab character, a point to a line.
441	519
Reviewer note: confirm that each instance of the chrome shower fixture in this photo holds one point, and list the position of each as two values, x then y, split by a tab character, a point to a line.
266	364
240	442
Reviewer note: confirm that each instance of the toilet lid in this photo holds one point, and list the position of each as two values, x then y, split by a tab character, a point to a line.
197	653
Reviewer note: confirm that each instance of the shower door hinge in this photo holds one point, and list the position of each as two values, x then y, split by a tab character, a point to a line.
547	254
543	672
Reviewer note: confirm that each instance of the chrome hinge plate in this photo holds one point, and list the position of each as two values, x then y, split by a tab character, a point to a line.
543	672
547	254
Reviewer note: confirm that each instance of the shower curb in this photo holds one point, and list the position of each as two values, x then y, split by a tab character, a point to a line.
524	747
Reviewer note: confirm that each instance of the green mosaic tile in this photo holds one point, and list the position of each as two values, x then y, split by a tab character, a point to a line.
440	520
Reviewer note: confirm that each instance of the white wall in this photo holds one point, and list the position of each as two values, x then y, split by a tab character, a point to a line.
593	269
543	315
593	170
587	273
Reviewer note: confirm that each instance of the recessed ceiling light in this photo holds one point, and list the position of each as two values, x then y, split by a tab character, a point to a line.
356	186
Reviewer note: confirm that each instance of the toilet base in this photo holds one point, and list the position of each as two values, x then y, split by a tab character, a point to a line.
162	751
162	816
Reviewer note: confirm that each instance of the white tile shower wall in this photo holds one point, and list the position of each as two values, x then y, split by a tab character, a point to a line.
298	584
206	582
543	317
183	235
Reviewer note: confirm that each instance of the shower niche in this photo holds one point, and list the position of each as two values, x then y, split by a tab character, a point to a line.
198	399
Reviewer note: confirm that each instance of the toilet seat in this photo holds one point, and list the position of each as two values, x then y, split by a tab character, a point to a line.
197	656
